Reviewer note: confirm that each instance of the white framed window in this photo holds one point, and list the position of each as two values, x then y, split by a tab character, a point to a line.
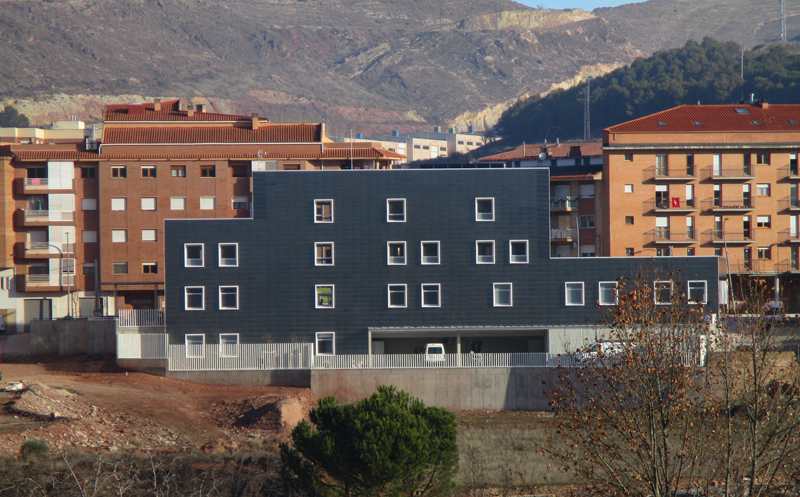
628	189
323	254
324	296
148	171
228	255
195	346
90	204
607	293
89	236
229	298
662	292
430	251
763	189
148	203
396	253
484	209
763	221
194	298
484	252
229	345
518	251
397	295
149	268
586	191
395	210
208	203
431	295
177	203
193	255
119	204
573	293
149	235
239	203
326	343
696	291
323	211
119	172
119	236
503	295
119	268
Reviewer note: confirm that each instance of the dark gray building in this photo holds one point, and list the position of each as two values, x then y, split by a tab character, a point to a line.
387	261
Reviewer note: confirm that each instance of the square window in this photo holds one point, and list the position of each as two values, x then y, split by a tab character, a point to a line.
150	268
90	204
119	172
228	255
396	253
323	254
239	203
662	292
228	298
397	296
690	251
177	203
193	255
324	296
502	295
148	203
764	221
119	236
326	343
586	191
88	172
194	297
208	171
195	346
764	252
430	252
664	252
148	171
484	209
431	295
395	210
119	268
178	171
119	204
484	252
518	251
763	158
323	211
587	222
229	345
696	292
608	293
763	189
629	157
628	188
88	268
89	236
629	251
149	235
629	220
208	203
36	172
573	293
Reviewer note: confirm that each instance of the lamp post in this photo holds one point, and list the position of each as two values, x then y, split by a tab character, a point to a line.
728	265
578	231
61	272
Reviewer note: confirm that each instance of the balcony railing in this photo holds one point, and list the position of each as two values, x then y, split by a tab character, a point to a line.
685	173
47	216
563	233
791	171
673	204
727	236
43	280
754	266
711	204
563	204
44	184
789	204
728	173
140	318
668	236
788	236
787	265
53	248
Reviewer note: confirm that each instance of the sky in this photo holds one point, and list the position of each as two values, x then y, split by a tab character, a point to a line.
587	5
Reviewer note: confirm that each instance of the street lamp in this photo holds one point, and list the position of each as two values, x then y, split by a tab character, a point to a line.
61	273
578	231
728	266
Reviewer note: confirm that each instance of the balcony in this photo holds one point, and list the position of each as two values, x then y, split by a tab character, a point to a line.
786	236
730	237
44	250
760	266
670	237
792	171
564	204
678	174
674	205
715	205
729	173
789	204
33	186
787	266
47	218
45	282
563	235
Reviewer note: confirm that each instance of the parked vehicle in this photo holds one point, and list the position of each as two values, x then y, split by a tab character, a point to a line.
434	352
608	349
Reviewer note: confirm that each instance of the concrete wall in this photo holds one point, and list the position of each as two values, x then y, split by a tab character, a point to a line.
67	337
490	388
299	378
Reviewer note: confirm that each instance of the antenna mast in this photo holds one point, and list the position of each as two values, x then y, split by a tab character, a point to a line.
586	127
783	20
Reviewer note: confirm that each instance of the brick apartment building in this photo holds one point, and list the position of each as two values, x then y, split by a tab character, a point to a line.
81	215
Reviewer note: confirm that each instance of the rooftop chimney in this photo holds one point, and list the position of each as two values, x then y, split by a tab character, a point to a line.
157	104
255	121
190	110
764	103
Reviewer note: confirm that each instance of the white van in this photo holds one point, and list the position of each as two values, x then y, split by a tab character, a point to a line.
609	349
434	352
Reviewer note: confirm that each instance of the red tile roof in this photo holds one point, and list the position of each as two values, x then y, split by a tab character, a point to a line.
554	151
266	133
170	111
716	118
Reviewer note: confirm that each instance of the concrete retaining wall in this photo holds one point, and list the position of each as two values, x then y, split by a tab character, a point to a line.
299	378
521	389
68	337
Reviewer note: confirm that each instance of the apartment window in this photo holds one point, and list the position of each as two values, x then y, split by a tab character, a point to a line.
323	211
150	268
89	236
629	220
324	294
88	268
229	345
89	204
431	295
396	210
396	253
588	251
119	204
397	296
586	191
426	147
228	298
607	292
763	158
690	251
430	252
718	251
119	268
208	171
195	346
484	209
119	172
696	292
193	255
239	171
417	147
228	255
662	292
326	343
586	222
663	252
177	203
573	293
763	221
148	203
764	252
503	296
484	252
208	203
629	251
88	172
194	298
149	235
689	164
628	188
148	171
323	254
177	171
518	251
239	203
119	236
628	157
763	189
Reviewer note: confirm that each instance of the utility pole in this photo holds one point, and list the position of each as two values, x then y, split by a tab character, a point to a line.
783	20
586	122
496	19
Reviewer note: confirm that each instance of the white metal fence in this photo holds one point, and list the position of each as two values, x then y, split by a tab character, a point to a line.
141	346
404	361
141	318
